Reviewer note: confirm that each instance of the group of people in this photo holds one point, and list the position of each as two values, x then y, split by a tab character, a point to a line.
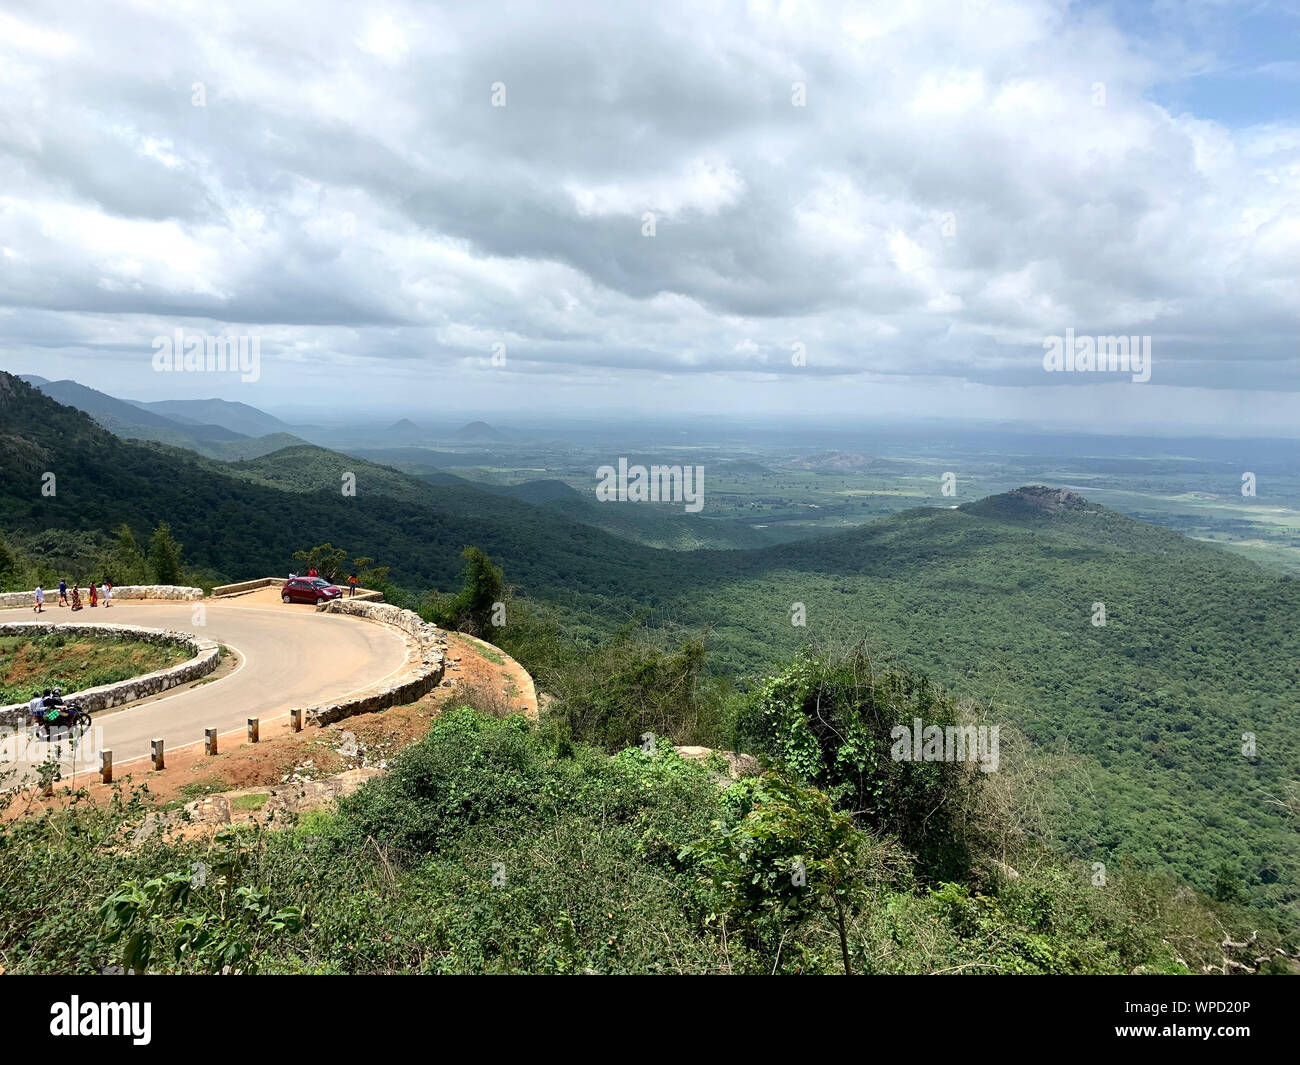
104	591
46	706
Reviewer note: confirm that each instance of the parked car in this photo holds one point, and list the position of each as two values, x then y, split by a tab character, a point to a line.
309	590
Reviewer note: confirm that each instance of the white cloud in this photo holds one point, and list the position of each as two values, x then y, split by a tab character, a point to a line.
950	194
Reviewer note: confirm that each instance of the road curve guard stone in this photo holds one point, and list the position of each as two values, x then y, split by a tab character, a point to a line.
206	655
426	660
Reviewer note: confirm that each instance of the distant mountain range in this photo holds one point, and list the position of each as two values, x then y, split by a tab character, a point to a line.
212	427
405	431
228	431
237	417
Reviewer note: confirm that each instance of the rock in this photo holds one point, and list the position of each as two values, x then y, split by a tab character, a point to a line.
1006	870
738	765
152	825
214	810
1052	500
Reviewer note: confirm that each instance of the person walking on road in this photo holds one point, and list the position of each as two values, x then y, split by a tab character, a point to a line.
39	605
76	598
94	595
107	591
352	585
63	592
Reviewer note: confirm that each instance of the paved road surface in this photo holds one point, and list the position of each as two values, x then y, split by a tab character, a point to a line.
292	656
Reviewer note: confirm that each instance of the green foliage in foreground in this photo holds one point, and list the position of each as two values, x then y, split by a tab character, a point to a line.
207	930
495	846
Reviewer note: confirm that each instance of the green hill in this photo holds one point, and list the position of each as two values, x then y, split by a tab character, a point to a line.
255	447
1198	648
247	518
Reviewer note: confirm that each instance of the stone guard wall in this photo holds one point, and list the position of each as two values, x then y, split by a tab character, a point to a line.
247	586
207	654
426	661
11	600
244	587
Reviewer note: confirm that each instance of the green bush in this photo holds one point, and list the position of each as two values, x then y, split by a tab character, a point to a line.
468	769
828	721
493	846
627	687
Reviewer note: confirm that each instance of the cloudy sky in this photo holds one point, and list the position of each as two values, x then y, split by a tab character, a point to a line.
869	210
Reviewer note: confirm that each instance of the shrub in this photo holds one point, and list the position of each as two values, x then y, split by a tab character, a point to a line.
469	769
828	721
615	694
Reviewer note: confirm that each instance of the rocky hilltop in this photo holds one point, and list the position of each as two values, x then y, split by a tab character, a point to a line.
1052	500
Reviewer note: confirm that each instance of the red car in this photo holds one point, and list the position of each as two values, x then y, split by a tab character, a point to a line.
309	590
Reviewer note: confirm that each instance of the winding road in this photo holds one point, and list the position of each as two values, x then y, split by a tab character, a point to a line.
291	656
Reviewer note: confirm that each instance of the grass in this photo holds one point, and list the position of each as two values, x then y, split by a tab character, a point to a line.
249	802
75	664
197	789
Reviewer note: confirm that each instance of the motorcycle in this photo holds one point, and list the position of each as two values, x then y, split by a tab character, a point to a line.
70	716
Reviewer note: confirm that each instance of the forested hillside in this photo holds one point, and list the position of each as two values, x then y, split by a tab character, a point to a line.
996	600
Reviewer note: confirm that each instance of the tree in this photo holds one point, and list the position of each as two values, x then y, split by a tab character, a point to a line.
1228	886
165	556
8	565
124	562
472	608
368	574
830	721
792	857
482	590
629	685
325	559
